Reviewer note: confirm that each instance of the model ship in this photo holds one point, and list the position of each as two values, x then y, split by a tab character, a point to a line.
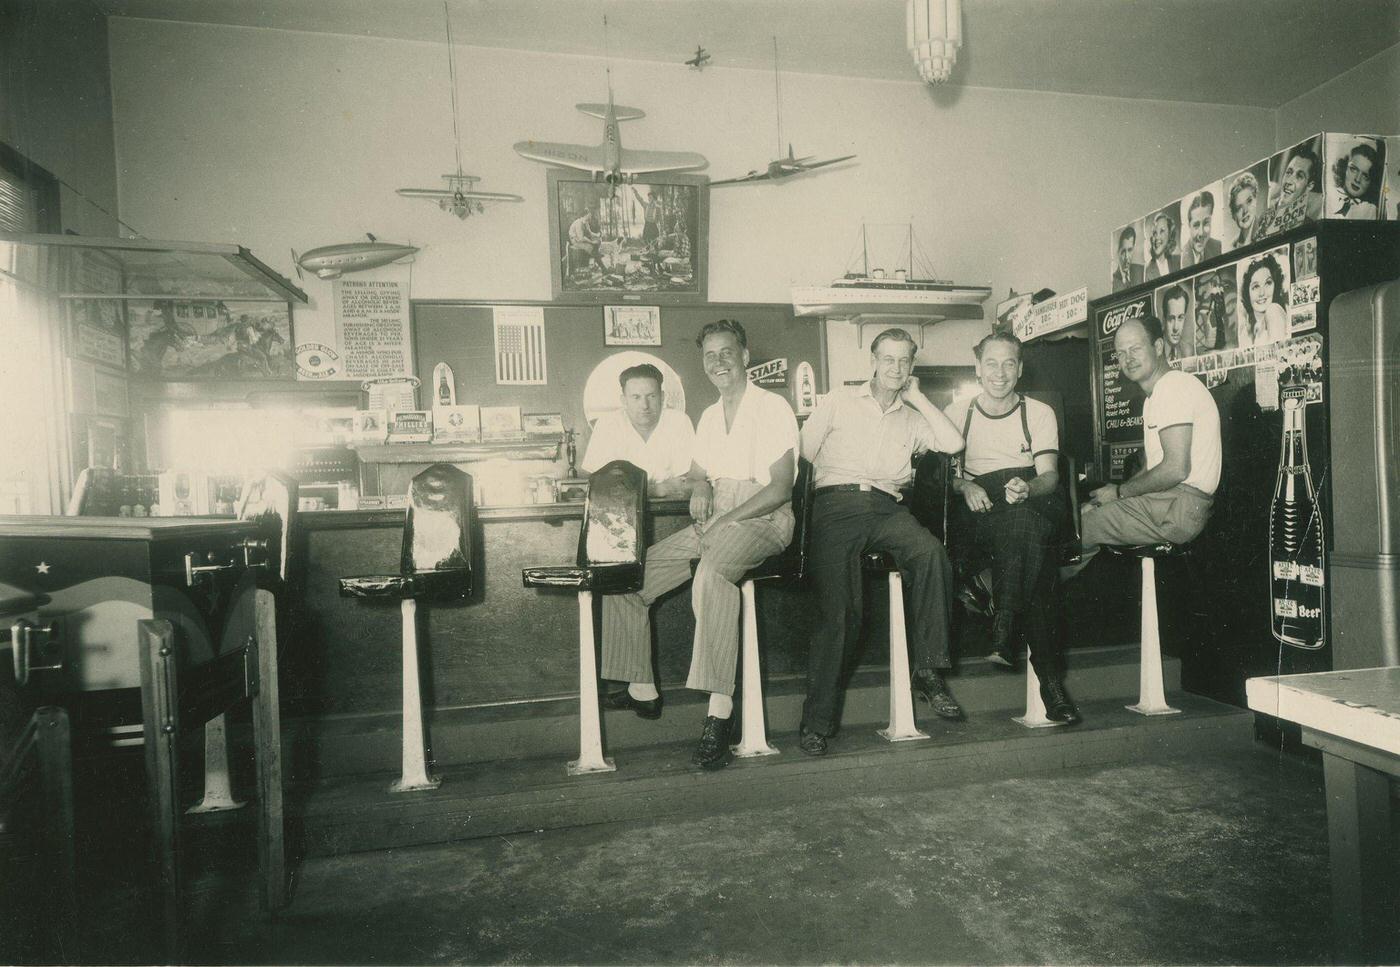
874	291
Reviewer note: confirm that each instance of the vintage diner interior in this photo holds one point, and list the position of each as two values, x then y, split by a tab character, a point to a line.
770	481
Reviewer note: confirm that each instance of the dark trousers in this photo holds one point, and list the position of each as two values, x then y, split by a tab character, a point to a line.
1015	541
847	524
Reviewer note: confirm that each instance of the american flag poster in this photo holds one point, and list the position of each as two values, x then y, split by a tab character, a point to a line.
519	332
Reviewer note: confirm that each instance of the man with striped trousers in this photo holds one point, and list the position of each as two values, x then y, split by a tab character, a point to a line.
741	505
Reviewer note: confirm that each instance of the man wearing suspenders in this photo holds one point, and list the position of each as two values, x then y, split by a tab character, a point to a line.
1007	512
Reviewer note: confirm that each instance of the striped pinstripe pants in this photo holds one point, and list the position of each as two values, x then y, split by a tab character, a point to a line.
725	554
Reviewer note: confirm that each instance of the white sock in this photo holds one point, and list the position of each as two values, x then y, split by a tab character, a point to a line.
643	691
721	706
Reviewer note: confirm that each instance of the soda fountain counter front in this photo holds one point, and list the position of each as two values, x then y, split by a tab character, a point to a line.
1254	596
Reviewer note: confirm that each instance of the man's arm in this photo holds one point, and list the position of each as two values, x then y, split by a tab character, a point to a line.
817	426
1047	478
702	496
1174	468
944	436
773	495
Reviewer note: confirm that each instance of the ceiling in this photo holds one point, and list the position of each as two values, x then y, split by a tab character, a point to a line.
1251	52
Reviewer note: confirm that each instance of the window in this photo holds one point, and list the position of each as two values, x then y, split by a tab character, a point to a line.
28	195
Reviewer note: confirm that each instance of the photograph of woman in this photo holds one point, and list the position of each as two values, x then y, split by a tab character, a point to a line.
1263	290
1355	191
1246	200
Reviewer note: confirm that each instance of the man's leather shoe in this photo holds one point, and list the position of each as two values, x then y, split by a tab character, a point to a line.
811	743
713	752
1058	705
623	699
932	688
1004	643
975	595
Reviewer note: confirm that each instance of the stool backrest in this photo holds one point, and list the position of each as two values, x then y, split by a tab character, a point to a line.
928	497
437	531
613	516
271	500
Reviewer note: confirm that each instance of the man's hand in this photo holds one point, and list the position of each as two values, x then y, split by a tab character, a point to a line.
1017	490
911	393
976	498
702	502
1106	494
670	487
716	522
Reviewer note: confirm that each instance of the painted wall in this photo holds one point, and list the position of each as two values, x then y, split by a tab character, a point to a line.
1364	100
279	139
56	103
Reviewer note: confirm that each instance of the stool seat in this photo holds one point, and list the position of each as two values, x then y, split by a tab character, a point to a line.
15	604
620	578
1159	549
451	584
878	561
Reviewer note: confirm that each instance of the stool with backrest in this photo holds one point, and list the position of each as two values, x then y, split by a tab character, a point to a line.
270	499
788	566
933	480
435	566
610	560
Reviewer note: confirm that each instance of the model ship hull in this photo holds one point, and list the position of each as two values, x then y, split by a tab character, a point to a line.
928	300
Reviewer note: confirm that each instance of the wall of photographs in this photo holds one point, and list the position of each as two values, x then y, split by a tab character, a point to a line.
1350	176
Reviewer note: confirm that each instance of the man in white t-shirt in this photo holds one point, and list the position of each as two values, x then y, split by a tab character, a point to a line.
742	473
645	433
1170	500
1010	509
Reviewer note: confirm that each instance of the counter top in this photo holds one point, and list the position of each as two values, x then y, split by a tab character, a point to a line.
558	512
125	528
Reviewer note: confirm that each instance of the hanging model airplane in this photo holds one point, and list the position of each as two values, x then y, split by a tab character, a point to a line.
458	197
609	161
782	167
332	261
701	59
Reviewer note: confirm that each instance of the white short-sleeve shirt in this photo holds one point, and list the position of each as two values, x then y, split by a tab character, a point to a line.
764	429
1180	399
666	453
1004	442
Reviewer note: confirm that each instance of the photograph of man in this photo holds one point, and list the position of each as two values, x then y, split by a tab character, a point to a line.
1210	313
1178	328
1171	498
1007	508
1356	177
1263	288
860	441
1246	203
1226	275
741	475
586	242
1201	242
1296	178
1127	270
1304	259
645	433
1162	242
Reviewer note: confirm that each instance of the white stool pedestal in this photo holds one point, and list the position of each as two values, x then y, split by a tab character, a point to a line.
415	777
754	739
1152	698
1035	705
902	727
590	733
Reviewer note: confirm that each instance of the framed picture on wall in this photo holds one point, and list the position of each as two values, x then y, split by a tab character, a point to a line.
646	240
210	339
631	325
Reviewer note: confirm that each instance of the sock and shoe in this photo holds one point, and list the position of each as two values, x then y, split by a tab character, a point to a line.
1059	707
1006	642
811	743
640	697
713	751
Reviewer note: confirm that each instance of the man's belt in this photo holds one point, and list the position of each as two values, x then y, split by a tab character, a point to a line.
853	487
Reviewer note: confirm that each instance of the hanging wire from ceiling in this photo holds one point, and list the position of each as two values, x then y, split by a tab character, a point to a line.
452	74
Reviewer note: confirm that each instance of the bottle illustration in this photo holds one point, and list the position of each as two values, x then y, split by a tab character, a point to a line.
444	392
1296	548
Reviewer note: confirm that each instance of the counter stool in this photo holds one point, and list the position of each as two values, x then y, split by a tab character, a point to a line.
1152	699
788	566
610	560
270	499
435	566
902	727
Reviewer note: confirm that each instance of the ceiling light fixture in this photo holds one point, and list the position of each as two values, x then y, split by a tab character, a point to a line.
934	37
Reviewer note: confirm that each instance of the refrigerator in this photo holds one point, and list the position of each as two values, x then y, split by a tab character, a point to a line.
1295	337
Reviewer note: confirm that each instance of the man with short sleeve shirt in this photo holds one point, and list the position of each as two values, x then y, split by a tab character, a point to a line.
744	466
1008	510
860	441
645	433
1171	499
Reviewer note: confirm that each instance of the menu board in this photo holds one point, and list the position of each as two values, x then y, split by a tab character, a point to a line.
1119	400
